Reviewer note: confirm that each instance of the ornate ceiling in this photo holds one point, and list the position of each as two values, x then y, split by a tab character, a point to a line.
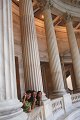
75	3
70	2
57	19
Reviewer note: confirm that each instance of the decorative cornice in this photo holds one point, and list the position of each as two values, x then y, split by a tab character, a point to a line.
61	6
75	3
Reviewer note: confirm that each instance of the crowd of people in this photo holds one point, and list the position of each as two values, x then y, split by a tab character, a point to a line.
31	99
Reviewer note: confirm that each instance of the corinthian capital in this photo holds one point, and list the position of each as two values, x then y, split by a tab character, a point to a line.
67	17
44	3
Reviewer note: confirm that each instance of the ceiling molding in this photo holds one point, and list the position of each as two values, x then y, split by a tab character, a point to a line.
75	3
62	8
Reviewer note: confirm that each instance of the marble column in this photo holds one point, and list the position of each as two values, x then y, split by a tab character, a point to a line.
32	70
73	78
74	49
10	107
64	73
55	66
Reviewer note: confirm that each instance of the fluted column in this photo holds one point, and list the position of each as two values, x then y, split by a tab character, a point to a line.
74	49
73	78
64	73
9	104
55	66
32	70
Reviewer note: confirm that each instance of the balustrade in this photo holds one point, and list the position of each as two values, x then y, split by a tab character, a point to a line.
75	98
57	104
58	108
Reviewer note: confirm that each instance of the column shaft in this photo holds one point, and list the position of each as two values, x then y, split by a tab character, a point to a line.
74	50
73	78
32	70
55	66
64	73
7	65
10	107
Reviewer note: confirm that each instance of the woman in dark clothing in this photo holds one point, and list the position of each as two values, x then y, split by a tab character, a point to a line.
33	99
39	98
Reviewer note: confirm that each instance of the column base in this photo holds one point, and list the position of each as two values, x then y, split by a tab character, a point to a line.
57	94
11	110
